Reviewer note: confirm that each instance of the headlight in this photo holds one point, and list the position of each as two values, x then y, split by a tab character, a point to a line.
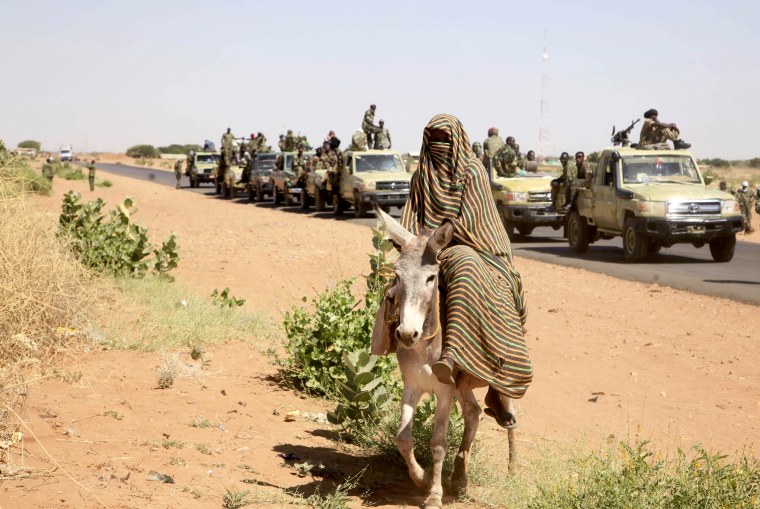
653	208
517	196
367	186
729	207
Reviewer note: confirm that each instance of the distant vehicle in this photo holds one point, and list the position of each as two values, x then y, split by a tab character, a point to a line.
26	152
286	184
367	177
259	184
66	153
202	168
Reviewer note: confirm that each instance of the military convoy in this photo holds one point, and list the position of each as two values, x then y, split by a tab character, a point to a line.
653	199
367	177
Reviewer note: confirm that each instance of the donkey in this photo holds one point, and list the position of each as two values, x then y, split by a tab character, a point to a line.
419	341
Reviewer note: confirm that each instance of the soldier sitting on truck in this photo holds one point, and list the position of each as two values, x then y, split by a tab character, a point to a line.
562	186
654	134
583	171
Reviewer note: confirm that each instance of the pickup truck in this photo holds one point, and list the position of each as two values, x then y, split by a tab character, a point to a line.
371	176
653	199
259	185
202	168
285	183
315	190
524	202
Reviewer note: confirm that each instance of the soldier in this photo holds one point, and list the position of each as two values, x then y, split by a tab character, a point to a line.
281	143
303	143
561	185
745	198
178	173
654	132
290	141
519	163
477	148
582	170
382	137
723	186
261	143
506	161
331	158
227	147
368	124
530	156
91	174
359	141
490	147
47	169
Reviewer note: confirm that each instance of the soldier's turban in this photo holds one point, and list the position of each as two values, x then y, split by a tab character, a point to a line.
650	113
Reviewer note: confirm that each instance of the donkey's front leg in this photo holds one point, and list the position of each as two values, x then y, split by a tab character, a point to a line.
404	441
439	444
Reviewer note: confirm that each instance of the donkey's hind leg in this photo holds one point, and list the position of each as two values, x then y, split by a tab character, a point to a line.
404	441
471	412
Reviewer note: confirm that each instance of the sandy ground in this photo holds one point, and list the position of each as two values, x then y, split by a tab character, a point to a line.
612	359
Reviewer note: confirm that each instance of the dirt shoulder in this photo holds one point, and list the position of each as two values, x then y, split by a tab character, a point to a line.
611	357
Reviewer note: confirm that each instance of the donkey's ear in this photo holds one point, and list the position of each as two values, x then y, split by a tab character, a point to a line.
398	235
441	236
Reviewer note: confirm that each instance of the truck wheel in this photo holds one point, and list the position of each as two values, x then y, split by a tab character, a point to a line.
360	208
337	206
319	200
577	233
635	244
259	193
304	199
654	246
722	249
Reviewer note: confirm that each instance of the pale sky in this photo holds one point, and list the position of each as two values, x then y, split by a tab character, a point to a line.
105	75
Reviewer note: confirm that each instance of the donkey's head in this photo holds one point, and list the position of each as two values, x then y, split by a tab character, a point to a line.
416	286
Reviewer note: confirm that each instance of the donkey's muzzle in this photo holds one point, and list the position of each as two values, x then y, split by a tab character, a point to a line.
407	336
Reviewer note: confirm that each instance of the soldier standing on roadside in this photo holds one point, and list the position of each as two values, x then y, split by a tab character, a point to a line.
745	198
178	172
368	124
490	147
382	137
47	169
91	174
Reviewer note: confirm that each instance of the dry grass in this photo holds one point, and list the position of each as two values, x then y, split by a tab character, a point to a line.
43	292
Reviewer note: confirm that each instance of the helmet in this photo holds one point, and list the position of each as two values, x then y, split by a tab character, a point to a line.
493	131
650	113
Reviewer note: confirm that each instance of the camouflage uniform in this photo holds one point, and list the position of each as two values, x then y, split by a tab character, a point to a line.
290	142
303	143
47	170
745	198
368	125
178	172
260	144
227	148
490	147
281	143
331	160
653	134
382	139
477	149
506	162
91	175
583	171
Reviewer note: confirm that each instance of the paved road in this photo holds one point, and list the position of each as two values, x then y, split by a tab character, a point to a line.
681	266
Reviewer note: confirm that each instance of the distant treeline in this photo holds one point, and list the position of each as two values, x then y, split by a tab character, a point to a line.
723	163
149	151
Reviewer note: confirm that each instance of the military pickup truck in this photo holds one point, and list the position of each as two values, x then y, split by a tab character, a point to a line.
315	190
371	176
285	183
232	182
653	199
259	185
202	168
524	202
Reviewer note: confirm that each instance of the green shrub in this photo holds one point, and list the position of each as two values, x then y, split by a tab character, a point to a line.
17	177
715	163
593	157
146	151
175	148
30	144
754	162
104	183
67	171
111	243
32	182
225	299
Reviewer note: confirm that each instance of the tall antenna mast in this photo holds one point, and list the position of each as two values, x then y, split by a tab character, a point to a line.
543	126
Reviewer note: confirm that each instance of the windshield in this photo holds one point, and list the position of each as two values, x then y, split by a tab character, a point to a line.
379	162
646	168
206	159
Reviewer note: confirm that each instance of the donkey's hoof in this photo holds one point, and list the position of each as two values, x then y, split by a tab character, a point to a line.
434	501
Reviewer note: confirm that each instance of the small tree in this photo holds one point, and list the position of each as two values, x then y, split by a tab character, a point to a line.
754	163
30	144
148	151
593	157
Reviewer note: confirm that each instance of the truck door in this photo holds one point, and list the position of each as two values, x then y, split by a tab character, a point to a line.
604	194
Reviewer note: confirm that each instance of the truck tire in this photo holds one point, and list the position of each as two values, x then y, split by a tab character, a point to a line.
360	208
304	199
525	230
337	206
319	200
578	233
654	247
635	244
722	249
259	193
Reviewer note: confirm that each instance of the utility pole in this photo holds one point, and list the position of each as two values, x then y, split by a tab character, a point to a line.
543	126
